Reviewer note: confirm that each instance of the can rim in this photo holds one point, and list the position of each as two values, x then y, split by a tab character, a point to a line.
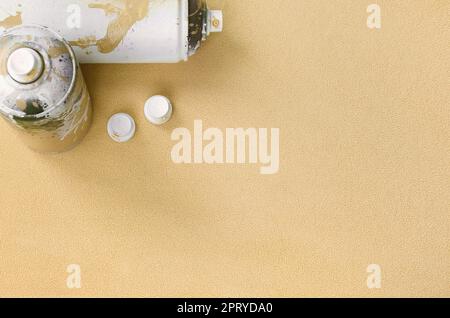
74	66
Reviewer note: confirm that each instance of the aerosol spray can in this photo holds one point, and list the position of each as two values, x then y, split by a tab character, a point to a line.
42	91
120	31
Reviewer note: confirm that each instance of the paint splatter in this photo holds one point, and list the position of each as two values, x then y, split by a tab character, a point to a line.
128	15
11	21
85	42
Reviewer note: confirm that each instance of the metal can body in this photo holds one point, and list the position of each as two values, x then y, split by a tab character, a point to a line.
118	31
52	112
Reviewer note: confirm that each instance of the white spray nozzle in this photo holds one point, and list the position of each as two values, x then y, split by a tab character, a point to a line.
25	65
215	21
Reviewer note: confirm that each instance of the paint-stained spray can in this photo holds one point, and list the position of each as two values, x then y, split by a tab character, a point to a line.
120	31
42	91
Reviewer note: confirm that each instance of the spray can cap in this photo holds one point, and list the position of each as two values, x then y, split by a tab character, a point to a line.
121	127
158	109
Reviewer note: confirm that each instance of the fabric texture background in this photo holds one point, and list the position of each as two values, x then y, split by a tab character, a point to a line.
364	166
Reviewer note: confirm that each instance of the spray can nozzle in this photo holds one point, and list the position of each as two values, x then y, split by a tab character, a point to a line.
214	21
25	65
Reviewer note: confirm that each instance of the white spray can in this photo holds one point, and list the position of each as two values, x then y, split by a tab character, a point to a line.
120	31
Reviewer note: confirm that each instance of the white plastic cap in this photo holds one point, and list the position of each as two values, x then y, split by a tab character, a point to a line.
25	65
121	127
158	110
215	21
